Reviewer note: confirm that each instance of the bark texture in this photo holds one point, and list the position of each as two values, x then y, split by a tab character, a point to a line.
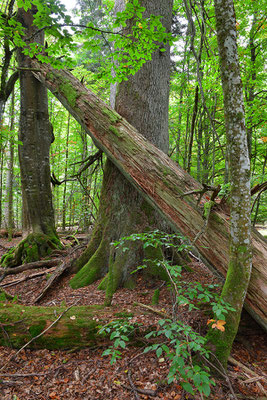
240	257
36	135
123	210
161	182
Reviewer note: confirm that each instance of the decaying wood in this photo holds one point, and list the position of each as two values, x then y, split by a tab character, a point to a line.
159	179
38	336
60	270
28	266
256	378
153	310
27	277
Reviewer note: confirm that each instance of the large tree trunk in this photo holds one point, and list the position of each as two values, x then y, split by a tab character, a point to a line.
162	182
36	136
123	210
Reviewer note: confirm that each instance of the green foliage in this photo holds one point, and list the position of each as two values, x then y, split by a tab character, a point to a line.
177	341
182	341
155	239
119	331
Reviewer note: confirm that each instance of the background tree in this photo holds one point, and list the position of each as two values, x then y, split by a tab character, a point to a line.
36	136
240	262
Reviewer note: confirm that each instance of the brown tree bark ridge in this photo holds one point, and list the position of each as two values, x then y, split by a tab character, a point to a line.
159	179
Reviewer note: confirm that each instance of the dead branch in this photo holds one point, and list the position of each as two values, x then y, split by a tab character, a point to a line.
88	162
248	373
259	187
242	366
26	278
53	278
60	270
10	383
27	266
160	313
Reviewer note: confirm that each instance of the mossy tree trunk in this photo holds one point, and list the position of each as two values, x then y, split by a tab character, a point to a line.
36	136
240	258
161	182
78	327
123	210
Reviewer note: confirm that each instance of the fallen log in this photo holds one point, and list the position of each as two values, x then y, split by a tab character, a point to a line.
27	278
77	328
162	182
27	266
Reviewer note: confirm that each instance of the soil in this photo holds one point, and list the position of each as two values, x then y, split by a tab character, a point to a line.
86	374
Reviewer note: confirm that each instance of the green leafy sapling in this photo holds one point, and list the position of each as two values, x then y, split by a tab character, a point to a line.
119	331
178	341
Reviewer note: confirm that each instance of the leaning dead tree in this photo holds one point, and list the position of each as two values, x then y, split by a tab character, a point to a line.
164	184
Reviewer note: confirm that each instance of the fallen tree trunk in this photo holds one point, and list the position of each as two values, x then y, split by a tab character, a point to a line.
163	183
77	327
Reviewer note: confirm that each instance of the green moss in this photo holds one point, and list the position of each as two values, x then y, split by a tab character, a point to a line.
8	259
112	115
103	283
155	254
207	208
155	297
77	327
114	130
93	269
217	218
32	248
124	314
37	328
69	92
2	296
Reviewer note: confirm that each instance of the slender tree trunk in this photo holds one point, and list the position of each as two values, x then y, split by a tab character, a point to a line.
10	173
192	131
251	84
64	207
240	260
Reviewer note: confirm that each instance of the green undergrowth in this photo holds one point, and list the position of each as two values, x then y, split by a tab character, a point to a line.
173	338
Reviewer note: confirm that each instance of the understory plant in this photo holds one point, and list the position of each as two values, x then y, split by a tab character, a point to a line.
176	340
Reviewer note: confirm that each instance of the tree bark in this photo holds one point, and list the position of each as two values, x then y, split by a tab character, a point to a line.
240	255
162	182
35	134
122	209
36	137
9	220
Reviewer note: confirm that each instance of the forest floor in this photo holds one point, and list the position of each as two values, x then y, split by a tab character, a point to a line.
87	375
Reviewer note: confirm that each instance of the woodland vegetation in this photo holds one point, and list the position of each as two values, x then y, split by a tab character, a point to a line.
133	143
